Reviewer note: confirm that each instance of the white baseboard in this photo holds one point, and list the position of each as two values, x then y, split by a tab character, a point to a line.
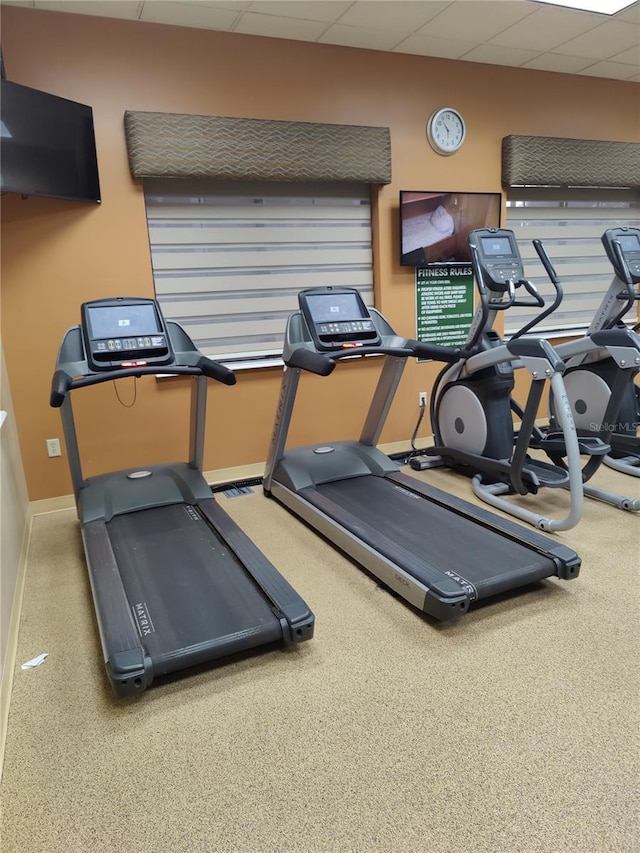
230	475
51	505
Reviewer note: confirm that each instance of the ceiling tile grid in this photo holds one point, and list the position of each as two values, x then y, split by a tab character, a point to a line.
518	33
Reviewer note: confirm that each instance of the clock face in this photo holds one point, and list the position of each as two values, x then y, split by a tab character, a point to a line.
445	130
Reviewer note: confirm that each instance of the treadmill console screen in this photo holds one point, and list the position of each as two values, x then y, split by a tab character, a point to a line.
629	240
498	255
337	318
124	332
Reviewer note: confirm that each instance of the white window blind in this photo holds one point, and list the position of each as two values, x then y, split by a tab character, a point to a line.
229	258
571	230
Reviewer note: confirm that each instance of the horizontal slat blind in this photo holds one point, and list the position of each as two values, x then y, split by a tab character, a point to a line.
571	232
230	258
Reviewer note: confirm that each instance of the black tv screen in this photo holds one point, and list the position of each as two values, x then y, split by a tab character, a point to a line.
47	145
434	225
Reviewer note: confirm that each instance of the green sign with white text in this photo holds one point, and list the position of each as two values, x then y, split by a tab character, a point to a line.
444	304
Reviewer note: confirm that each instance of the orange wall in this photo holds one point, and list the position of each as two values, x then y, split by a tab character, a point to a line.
57	254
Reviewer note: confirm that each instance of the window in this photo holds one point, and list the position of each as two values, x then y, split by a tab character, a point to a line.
230	257
570	224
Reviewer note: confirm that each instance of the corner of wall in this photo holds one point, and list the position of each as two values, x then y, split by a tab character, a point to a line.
14	529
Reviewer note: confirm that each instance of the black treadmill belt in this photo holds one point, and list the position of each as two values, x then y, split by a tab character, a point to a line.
393	520
186	588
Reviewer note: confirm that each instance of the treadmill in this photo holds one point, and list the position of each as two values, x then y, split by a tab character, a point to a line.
175	582
438	552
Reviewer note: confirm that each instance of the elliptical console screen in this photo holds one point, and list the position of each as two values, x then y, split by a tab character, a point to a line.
629	240
629	243
337	318
493	246
498	255
124	333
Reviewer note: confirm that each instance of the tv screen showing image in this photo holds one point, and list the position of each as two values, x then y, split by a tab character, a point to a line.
47	145
434	225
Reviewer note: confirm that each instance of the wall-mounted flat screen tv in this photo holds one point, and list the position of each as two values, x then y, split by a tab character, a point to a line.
434	225
47	145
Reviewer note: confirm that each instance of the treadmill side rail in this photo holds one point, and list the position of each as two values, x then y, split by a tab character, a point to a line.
129	668
298	617
566	560
446	598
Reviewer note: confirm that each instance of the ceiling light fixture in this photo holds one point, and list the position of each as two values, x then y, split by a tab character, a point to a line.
602	7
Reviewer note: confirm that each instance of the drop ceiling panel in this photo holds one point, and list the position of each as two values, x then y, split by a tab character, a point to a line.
322	10
545	29
631	56
191	14
360	37
236	5
399	15
606	40
128	9
432	46
495	55
284	28
613	70
476	20
559	62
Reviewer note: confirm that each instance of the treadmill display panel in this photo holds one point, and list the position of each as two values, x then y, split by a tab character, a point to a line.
122	332
109	321
337	318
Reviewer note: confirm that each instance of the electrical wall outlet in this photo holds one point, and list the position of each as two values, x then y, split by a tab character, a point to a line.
53	447
422	398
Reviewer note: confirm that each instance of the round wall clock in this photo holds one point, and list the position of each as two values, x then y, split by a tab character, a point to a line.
445	130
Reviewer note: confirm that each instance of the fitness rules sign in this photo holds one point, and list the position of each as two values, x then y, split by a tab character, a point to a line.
444	304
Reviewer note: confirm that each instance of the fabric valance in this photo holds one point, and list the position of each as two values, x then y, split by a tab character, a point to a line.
552	161
186	146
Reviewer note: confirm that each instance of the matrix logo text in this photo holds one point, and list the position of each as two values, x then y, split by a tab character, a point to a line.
143	620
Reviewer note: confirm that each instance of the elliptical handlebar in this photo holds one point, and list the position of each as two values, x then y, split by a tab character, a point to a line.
630	296
539	301
546	263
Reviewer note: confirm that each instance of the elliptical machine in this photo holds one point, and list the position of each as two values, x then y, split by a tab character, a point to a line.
472	404
591	377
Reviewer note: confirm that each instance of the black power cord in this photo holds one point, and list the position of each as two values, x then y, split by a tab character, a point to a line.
119	398
409	457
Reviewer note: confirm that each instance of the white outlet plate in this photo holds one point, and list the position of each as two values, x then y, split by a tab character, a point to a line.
422	398
53	447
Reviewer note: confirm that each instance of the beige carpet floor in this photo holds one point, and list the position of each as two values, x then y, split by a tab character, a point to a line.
513	730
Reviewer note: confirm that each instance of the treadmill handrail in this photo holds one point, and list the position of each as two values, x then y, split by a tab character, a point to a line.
437	352
322	364
314	362
62	382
